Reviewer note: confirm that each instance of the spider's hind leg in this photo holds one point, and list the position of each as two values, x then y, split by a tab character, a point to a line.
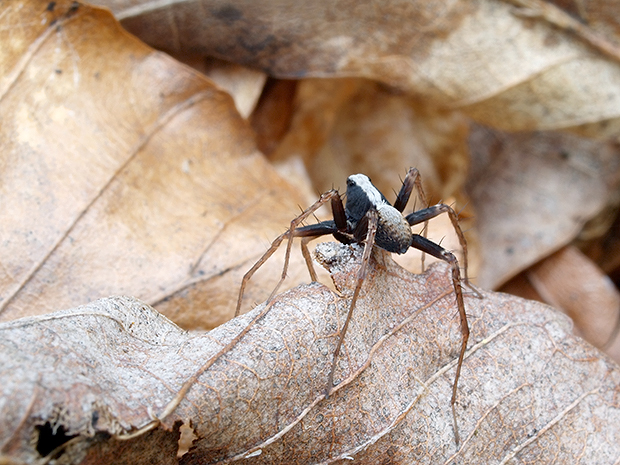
421	216
411	181
423	244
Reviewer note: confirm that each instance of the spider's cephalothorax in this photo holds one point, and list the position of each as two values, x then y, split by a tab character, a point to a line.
369	219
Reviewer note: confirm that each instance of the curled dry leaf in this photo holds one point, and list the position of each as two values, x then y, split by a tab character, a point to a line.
345	126
532	193
524	67
123	172
243	84
529	390
569	281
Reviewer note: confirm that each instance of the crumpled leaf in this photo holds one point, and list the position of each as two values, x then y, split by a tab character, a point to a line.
524	67
529	390
243	84
123	172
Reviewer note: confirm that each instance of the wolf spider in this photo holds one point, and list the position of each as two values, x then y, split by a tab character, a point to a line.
369	219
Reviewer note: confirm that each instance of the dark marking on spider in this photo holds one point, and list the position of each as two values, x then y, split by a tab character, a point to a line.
369	219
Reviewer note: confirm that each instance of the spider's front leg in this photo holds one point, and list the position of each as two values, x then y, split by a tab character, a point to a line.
367	227
311	231
412	179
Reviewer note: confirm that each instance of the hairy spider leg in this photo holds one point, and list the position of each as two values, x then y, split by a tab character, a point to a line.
435	250
412	179
321	229
338	227
439	252
366	226
307	258
426	214
421	243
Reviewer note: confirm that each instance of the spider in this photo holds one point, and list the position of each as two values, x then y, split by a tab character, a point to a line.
369	219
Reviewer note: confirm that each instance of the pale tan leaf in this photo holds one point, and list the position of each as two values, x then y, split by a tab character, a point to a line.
243	84
529	390
272	116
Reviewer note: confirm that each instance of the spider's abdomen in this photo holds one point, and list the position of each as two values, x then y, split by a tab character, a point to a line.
393	232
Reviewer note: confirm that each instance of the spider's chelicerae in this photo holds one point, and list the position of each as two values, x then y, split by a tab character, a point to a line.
369	219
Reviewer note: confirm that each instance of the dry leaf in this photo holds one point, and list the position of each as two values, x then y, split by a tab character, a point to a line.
603	246
344	126
123	172
570	282
272	117
524	67
243	84
532	193
529	389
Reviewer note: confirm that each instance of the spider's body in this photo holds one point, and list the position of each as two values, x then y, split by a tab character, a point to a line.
393	231
369	219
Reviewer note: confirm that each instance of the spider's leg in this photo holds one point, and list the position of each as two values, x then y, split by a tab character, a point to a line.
436	210
338	211
423	244
339	224
291	233
413	179
307	233
308	259
369	222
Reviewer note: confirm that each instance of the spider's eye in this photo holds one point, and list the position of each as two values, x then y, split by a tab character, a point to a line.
350	182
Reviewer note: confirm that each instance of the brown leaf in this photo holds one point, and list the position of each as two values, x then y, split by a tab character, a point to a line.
243	84
123	172
524	67
271	118
529	390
